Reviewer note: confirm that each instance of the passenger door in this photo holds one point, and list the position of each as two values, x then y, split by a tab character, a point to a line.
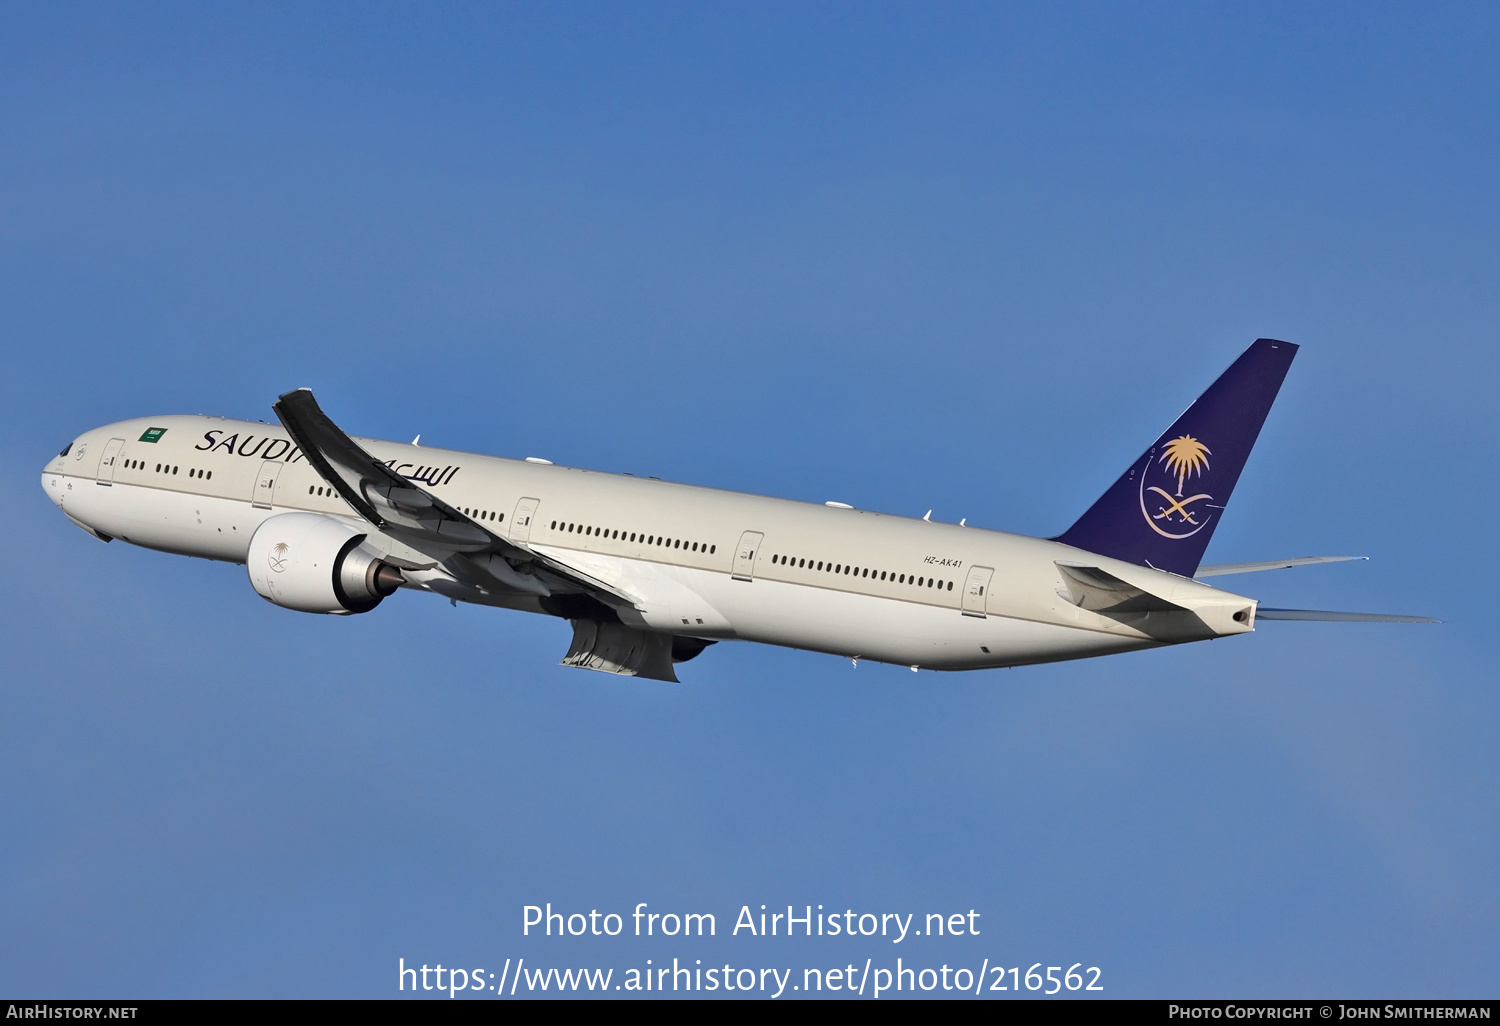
975	586
265	483
520	522
744	556
111	456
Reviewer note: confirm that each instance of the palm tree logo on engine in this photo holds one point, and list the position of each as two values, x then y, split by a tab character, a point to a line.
276	558
1171	515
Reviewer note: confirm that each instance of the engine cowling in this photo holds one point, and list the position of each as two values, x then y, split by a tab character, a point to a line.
316	564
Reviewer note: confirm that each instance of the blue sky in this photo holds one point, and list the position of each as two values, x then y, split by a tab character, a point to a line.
970	258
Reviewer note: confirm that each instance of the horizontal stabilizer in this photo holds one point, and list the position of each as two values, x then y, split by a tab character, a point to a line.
1264	613
1218	569
1097	590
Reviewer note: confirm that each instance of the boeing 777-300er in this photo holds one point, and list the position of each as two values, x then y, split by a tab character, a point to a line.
650	572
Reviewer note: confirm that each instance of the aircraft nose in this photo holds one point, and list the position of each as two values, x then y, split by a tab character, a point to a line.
52	484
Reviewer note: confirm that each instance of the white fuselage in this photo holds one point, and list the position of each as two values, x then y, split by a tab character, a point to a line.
836	580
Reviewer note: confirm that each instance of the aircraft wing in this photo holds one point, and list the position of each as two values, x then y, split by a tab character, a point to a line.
421	520
1273	564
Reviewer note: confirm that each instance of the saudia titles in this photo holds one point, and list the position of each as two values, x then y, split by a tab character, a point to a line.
1165	479
268	448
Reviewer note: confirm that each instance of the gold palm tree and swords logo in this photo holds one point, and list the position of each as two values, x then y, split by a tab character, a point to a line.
1183	458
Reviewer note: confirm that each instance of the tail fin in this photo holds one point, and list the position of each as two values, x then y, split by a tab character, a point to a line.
1164	509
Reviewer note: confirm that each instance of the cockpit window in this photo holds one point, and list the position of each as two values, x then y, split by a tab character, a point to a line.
65	449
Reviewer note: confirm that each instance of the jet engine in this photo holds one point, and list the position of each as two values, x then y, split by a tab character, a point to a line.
316	564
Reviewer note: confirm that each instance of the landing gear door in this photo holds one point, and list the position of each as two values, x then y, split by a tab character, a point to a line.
744	556
106	475
975	586
265	483
520	523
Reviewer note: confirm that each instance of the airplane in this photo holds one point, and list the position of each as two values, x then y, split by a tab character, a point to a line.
650	573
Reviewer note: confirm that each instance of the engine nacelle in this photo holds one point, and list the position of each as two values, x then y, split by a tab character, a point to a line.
315	564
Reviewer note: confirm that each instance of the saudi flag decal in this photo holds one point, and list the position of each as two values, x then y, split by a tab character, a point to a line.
153	434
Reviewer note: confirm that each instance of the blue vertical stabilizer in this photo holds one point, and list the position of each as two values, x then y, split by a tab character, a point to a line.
1164	509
